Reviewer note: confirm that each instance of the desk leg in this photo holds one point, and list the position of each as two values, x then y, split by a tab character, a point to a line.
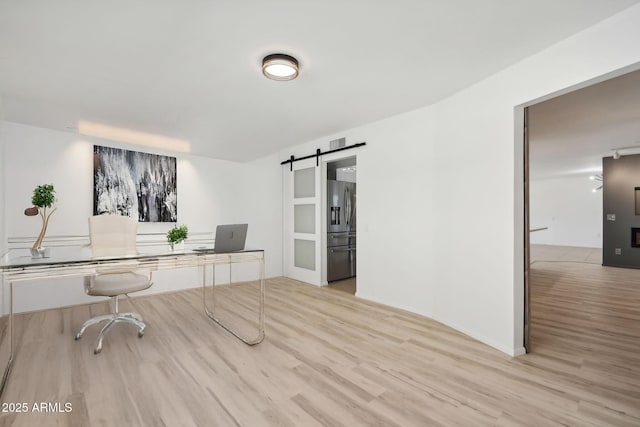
7	370
211	313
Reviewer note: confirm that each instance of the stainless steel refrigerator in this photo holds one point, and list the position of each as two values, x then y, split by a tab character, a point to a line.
341	230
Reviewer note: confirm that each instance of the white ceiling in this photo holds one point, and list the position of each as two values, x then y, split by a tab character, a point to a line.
190	69
570	134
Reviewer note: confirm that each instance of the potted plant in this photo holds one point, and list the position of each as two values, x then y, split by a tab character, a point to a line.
44	196
176	235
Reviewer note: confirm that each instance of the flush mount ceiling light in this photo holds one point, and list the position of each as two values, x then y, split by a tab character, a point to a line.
280	67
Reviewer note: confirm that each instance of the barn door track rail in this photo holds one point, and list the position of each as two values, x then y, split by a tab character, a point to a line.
319	153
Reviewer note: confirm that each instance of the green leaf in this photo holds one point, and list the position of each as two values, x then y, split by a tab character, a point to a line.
177	234
44	196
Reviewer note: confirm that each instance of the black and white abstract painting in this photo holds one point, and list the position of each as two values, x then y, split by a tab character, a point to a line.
134	184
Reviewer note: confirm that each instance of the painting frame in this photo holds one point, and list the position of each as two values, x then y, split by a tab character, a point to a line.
136	184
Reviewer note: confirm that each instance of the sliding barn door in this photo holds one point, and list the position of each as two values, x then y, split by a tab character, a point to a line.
302	216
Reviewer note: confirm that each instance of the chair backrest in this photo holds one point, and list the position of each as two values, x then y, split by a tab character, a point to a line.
112	235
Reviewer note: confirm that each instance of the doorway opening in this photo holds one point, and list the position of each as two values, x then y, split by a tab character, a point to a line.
340	209
574	210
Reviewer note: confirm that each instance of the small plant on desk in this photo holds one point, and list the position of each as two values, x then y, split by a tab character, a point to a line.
44	196
177	234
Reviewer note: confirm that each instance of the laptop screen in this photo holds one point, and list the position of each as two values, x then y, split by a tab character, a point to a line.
230	237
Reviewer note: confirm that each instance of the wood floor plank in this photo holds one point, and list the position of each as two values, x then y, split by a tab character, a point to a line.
331	359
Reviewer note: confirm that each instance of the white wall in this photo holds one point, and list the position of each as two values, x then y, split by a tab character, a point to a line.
569	208
348	176
3	240
210	192
262	202
440	205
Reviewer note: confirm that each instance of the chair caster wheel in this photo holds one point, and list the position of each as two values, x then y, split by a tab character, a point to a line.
97	351
140	334
78	336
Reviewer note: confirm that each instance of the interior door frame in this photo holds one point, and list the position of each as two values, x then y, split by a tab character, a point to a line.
328	158
318	276
526	235
522	259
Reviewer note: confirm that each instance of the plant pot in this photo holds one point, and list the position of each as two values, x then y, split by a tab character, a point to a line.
40	253
177	247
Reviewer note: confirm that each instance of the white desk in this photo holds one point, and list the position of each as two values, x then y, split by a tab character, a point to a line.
18	266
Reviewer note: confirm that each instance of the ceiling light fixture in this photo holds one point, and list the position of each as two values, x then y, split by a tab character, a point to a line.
279	66
616	151
597	177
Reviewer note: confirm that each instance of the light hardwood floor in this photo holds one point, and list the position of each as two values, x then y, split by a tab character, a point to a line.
332	359
346	285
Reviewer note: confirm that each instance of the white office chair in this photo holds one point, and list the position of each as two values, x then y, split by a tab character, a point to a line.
113	236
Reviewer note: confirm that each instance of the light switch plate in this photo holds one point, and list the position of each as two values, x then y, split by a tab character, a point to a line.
611	217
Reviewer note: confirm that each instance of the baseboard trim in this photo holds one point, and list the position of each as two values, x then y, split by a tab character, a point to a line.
519	351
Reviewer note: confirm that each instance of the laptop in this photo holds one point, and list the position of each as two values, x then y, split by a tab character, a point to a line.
229	238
